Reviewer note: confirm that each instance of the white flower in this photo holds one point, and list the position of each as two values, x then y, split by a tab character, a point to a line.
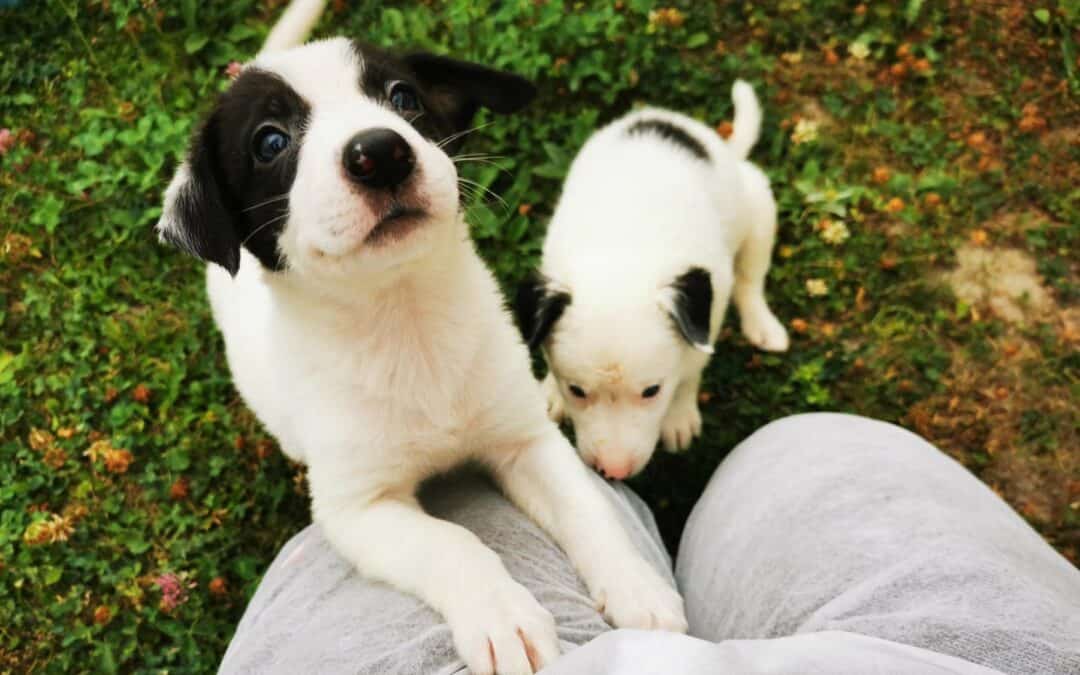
806	131
859	50
817	287
835	232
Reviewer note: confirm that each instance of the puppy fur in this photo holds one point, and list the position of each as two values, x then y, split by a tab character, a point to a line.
660	223
366	334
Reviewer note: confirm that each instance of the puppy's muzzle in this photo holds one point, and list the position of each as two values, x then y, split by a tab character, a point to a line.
379	159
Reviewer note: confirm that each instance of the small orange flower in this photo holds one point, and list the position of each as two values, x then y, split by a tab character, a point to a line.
932	199
117	460
882	174
904	50
898	70
860	9
895	205
141	393
65	432
831	57
1001	393
524	209
725	129
218	587
979	237
800	326
180	489
102	615
976	140
887	262
922	66
110	394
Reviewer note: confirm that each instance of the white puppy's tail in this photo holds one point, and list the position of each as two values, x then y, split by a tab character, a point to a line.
294	25
747	124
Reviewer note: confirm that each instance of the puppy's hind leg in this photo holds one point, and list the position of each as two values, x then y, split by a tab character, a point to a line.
759	324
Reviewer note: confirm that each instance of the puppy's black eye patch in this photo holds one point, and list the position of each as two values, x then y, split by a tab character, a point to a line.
577	391
650	392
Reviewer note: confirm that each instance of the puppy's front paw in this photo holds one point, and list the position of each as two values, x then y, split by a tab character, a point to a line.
763	330
637	597
504	632
554	399
681	425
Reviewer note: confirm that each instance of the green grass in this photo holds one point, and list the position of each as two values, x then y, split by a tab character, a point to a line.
106	344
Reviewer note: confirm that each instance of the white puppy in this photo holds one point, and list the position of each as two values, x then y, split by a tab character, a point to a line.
659	224
367	335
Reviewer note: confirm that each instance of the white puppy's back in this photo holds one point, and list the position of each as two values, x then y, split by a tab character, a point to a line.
631	196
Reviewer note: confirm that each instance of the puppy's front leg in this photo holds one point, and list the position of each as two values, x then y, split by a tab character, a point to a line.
498	626
682	422
548	481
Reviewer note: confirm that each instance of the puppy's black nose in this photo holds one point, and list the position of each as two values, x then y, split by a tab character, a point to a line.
378	158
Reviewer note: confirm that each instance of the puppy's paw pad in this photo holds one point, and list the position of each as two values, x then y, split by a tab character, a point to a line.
681	425
637	597
766	332
506	633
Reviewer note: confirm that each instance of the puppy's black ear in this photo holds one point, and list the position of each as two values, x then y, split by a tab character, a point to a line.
460	88
538	306
689	304
197	216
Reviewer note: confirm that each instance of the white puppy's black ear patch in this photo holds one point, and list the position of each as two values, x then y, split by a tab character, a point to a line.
459	88
195	217
537	306
689	305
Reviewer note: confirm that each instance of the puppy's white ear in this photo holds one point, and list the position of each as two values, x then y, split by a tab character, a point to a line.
195	216
538	305
688	301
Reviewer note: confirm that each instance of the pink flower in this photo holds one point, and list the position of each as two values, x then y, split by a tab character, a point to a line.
233	69
7	141
174	590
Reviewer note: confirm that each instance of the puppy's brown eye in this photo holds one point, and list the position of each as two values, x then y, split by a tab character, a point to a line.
649	392
403	97
577	391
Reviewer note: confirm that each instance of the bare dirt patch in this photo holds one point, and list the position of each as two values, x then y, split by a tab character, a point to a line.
1003	281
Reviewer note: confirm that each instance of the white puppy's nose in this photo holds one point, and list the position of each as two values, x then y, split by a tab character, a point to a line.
613	465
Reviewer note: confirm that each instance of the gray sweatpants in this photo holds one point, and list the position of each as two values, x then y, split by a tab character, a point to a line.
824	543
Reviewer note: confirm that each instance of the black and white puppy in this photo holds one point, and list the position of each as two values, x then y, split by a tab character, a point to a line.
659	224
368	336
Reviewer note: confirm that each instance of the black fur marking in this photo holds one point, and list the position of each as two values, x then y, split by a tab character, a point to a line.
670	132
450	91
537	307
693	305
233	200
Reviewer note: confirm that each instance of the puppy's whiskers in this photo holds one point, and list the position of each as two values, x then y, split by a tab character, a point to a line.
478	190
264	225
268	201
453	137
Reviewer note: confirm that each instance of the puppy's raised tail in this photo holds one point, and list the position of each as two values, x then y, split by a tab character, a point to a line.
747	124
294	25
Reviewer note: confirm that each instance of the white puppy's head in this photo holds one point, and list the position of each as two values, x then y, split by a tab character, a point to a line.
330	161
618	361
